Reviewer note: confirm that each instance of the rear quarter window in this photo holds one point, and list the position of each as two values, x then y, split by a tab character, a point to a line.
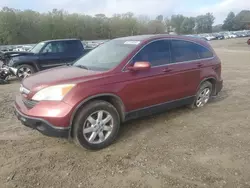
204	52
73	47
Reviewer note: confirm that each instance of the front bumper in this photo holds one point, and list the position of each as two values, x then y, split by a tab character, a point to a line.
49	118
42	126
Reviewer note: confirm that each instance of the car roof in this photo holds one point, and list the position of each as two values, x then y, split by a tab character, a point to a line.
158	36
60	40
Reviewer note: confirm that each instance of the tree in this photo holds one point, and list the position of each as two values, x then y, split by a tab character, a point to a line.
168	25
176	21
229	23
187	26
159	18
217	28
23	27
156	27
242	20
204	23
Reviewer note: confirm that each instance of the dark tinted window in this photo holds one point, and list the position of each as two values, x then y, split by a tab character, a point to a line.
184	51
204	52
73	47
188	51
157	53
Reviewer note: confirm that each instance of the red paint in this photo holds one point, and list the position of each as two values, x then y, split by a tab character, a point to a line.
248	42
136	89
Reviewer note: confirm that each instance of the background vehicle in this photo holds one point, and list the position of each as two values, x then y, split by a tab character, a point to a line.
45	55
120	80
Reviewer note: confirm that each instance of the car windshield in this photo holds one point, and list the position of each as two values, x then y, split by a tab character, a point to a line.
37	48
107	55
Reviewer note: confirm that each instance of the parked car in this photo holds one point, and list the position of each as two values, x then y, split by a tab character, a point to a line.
122	79
248	41
209	37
219	36
46	55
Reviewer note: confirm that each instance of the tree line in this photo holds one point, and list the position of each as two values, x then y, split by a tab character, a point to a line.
24	27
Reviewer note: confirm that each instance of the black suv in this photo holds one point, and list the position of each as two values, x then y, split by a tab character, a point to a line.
45	55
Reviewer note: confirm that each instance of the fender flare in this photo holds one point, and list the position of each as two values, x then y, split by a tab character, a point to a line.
96	96
206	79
32	63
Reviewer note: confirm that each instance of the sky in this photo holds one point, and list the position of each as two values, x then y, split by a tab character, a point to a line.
152	8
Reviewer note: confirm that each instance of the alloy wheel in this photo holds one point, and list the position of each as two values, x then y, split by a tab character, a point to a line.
98	127
203	97
24	72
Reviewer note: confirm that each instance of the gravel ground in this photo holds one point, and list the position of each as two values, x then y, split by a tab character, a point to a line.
207	147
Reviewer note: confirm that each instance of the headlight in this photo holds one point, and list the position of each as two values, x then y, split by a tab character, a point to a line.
53	93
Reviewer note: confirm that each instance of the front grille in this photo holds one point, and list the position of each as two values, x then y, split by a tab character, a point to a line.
29	103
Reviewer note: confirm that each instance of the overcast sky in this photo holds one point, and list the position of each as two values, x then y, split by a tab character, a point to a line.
152	8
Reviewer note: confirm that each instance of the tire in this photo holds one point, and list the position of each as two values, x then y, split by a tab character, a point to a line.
24	71
82	123
203	87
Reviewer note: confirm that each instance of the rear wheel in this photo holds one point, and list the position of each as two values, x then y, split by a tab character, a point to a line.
203	95
96	125
24	71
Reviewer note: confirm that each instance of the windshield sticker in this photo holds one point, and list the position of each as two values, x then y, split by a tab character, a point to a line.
132	42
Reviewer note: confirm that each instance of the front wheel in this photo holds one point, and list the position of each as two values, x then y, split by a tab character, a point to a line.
96	125
24	71
203	95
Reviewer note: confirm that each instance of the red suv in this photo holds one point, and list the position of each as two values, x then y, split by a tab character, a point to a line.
122	79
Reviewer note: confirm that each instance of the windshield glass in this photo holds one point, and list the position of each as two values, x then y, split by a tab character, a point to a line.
37	48
107	55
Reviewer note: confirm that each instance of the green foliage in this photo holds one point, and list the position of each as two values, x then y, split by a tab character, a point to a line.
19	27
187	26
229	22
217	28
204	23
240	21
176	21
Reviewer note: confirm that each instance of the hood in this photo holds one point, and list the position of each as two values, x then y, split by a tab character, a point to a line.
16	53
22	58
60	75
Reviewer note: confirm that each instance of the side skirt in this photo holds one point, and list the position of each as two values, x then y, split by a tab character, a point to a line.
155	109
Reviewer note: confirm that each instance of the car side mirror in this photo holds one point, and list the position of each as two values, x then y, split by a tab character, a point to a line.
140	65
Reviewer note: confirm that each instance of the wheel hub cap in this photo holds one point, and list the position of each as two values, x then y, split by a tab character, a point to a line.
98	127
203	97
24	72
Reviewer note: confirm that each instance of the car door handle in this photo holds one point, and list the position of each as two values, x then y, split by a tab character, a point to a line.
167	70
200	65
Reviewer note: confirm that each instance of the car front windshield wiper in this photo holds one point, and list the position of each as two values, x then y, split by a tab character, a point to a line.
82	67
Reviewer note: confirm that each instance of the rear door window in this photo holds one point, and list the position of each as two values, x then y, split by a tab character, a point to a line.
188	51
156	53
184	51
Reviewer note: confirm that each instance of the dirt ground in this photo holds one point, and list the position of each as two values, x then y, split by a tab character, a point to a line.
208	147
